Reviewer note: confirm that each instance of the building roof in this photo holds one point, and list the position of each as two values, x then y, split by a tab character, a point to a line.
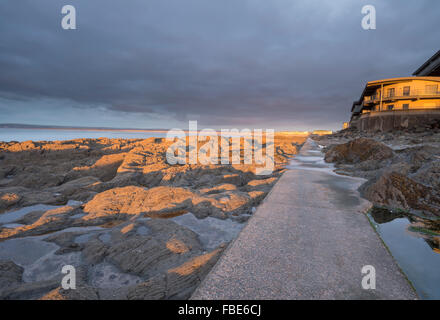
431	67
373	85
400	79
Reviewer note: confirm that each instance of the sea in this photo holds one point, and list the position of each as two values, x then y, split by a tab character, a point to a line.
19	134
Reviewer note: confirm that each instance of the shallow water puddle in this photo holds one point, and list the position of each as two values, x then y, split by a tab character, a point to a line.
105	275
50	266
15	215
167	215
38	257
415	248
211	231
25	251
312	159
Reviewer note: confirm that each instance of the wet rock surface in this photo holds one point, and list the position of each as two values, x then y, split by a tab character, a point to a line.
402	167
398	191
358	150
133	226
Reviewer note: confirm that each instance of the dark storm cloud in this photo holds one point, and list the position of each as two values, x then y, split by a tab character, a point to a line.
279	63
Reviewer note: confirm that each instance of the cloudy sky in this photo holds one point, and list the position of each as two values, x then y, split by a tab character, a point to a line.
282	64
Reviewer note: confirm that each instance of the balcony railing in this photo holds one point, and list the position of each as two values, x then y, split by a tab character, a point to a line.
416	109
404	94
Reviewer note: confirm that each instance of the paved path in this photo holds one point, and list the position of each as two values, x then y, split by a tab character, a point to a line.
308	240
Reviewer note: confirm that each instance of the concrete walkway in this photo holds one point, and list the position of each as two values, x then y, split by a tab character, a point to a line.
308	240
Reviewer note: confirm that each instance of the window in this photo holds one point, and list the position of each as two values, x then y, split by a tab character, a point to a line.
405	106
406	91
390	107
431	89
391	92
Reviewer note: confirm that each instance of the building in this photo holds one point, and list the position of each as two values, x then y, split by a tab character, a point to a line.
322	132
430	67
400	102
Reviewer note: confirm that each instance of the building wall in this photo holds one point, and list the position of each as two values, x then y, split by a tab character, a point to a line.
418	88
419	106
391	120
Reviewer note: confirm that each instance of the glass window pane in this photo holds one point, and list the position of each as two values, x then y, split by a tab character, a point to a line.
431	89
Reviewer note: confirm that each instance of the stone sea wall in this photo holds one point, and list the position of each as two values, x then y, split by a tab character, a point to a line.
392	120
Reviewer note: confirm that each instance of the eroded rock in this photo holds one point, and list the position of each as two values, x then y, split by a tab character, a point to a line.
8	199
398	191
124	241
10	275
358	150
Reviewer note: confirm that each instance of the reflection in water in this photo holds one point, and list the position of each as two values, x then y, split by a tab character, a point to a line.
414	243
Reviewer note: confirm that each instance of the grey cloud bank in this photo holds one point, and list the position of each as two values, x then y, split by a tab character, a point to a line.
232	63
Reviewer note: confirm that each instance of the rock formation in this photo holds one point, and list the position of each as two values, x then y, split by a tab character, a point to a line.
114	213
402	167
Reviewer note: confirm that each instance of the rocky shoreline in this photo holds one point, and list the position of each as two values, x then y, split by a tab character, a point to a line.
402	169
134	226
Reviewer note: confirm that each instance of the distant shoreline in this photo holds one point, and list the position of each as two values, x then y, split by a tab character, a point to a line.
87	129
42	127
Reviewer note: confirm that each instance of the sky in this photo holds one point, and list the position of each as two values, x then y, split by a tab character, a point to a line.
281	64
